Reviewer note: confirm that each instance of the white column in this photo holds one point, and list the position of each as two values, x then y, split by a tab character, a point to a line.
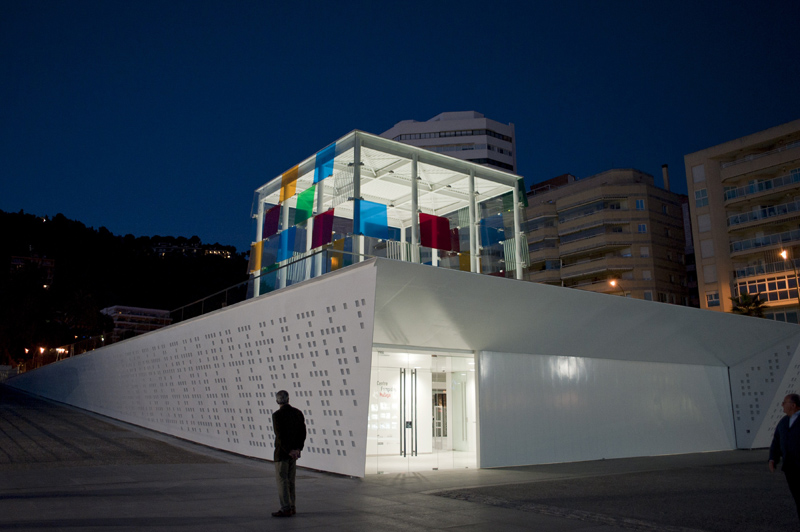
282	271
473	225
358	240
320	209
518	236
259	238
414	211
403	254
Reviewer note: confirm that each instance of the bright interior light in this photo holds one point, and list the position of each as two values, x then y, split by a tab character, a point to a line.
784	254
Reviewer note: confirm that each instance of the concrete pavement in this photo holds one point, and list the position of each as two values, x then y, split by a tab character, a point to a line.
65	469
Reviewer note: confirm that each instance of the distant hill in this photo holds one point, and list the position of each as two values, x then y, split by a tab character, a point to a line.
56	274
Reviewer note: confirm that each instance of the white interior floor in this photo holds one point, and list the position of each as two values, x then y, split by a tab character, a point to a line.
424	462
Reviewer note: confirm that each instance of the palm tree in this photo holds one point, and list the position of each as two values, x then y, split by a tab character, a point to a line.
748	305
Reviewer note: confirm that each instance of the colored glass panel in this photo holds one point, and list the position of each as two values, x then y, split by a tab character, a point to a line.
272	219
255	257
289	184
323	229
508	202
522	194
323	166
455	240
434	232
269	252
337	258
371	219
287	243
492	231
463	261
305	205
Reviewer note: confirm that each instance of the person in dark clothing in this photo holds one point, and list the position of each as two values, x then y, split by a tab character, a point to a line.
290	436
786	446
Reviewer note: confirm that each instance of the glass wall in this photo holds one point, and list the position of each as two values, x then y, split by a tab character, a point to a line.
372	197
422	414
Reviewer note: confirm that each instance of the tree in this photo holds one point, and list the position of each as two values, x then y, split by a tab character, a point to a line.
748	305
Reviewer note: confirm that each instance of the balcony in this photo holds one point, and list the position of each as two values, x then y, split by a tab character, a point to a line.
765	269
541	232
746	219
759	189
741	247
598	218
545	276
596	266
609	240
542	254
757	161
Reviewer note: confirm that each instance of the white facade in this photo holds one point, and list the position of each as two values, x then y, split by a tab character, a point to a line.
465	135
531	373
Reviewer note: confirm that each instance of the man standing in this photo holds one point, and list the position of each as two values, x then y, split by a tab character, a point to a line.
290	436
786	445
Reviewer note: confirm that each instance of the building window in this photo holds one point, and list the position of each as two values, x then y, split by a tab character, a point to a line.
648	295
701	198
790	317
646	275
639	204
707	248
644	252
662	297
642	228
698	173
712	299
664	209
704	223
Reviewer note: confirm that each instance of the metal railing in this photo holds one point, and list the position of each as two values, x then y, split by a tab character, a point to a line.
765	213
765	269
763	186
764	241
755	156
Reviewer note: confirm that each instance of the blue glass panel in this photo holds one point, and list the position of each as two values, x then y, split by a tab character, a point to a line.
323	166
269	252
287	238
492	231
371	219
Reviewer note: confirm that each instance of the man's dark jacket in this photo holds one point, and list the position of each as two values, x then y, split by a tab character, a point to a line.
290	431
786	445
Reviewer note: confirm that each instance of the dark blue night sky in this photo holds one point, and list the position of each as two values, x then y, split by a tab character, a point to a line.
162	117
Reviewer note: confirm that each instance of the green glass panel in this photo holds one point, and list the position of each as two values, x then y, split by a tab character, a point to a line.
522	194
305	205
508	202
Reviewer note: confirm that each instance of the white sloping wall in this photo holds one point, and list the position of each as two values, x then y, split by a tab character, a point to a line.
538	409
758	386
212	379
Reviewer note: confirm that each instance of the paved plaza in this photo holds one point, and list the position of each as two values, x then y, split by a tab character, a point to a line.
63	469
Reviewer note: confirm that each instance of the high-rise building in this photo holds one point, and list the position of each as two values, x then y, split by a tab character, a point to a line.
745	209
465	135
614	226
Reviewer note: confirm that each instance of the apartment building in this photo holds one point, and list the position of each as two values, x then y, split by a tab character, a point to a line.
614	232
745	209
133	321
465	135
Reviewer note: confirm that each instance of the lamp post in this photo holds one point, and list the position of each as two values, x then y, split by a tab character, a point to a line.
785	254
615	284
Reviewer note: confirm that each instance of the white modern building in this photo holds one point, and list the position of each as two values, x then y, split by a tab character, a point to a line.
402	366
466	135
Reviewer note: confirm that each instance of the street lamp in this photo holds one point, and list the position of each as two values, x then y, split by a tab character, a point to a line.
785	255
615	284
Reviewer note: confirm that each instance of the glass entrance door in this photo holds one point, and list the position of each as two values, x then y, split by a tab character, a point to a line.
421	412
